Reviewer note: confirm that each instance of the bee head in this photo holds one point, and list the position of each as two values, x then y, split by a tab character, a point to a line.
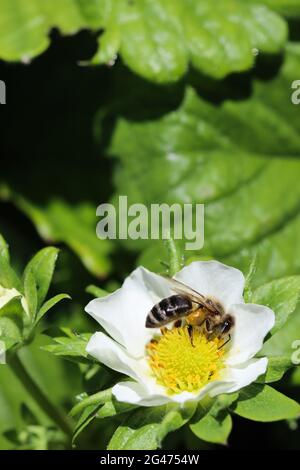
227	324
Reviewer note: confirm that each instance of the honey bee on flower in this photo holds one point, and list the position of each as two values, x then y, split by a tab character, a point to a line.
209	352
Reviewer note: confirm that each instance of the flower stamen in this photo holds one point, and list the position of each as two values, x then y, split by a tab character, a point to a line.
184	359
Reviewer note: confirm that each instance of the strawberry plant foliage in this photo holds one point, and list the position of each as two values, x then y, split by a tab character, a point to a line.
180	130
193	153
217	39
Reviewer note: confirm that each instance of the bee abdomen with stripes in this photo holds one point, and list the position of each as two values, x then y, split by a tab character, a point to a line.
167	310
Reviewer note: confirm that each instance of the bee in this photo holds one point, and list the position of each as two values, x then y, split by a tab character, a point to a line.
196	309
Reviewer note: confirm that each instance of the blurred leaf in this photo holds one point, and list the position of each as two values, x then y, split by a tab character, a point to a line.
249	279
145	428
4	251
96	291
263	403
193	153
35	437
26	34
290	8
74	226
282	296
217	40
61	381
295	380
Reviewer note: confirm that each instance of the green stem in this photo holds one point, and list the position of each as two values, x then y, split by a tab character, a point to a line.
41	399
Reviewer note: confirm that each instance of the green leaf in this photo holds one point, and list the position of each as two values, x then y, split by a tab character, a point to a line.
282	296
248	280
215	429
49	304
108	46
113	408
10	331
8	277
295	379
42	266
26	33
216	39
145	428
175	257
58	379
101	405
73	349
280	344
289	8
214	424
4	251
87	416
97	399
75	226
263	403
277	366
96	291
172	33
198	146
31	292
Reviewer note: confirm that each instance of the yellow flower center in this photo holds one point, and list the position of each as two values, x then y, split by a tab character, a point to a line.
184	360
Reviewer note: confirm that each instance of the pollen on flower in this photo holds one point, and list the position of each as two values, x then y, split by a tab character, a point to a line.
183	360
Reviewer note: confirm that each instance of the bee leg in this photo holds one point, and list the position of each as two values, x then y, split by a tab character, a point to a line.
178	324
190	332
208	329
227	341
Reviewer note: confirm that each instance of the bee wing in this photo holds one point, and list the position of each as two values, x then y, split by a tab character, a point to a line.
195	296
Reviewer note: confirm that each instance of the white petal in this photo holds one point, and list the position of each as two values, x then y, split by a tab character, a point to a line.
123	313
236	378
136	393
114	356
214	279
252	323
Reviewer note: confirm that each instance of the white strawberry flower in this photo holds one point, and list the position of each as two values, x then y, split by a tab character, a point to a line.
166	366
